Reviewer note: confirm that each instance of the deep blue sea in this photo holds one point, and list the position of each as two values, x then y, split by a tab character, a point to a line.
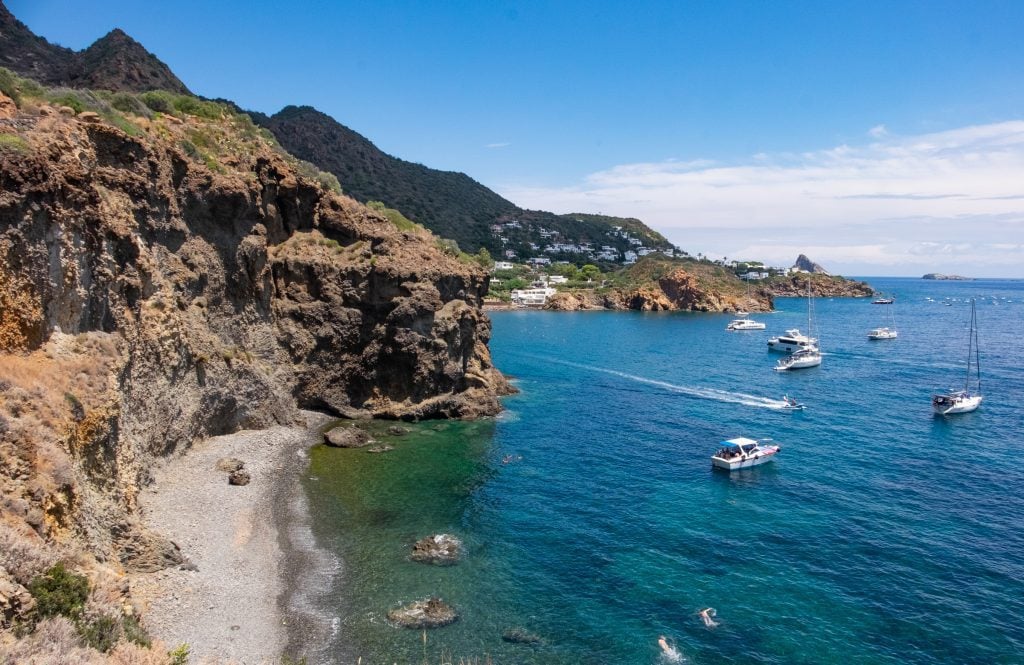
882	534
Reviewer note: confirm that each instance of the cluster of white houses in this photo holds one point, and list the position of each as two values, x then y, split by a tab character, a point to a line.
555	246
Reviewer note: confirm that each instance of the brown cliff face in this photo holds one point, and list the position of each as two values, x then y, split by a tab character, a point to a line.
822	285
658	285
149	298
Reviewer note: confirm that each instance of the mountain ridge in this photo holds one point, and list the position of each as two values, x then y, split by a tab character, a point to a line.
113	62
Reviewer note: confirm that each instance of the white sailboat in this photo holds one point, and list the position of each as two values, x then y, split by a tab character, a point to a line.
808	354
963	401
887	332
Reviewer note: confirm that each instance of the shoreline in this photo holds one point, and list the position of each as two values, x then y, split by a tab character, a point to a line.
250	594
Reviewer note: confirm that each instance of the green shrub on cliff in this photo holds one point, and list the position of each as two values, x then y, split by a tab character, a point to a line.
59	592
401	222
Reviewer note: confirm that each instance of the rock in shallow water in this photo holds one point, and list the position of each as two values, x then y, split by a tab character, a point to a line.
380	449
441	549
397	430
429	613
346	436
229	464
521	636
239	477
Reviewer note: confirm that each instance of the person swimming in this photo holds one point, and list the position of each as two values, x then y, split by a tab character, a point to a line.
670	653
708	615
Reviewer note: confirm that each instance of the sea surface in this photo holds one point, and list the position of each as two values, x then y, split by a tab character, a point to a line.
882	533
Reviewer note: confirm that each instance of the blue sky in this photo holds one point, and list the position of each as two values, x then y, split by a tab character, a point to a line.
700	118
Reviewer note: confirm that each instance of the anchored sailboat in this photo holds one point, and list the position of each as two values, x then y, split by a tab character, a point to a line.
808	355
964	401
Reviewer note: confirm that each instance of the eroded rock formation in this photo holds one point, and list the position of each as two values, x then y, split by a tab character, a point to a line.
151	296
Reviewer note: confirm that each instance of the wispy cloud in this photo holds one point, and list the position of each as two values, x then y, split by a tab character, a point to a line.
858	207
493	146
878	131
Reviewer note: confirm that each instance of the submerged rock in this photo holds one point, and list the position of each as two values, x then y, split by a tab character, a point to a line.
398	430
239	477
442	549
380	449
429	613
346	436
519	635
229	464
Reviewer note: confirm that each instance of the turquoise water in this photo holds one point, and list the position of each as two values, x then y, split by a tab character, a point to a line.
881	534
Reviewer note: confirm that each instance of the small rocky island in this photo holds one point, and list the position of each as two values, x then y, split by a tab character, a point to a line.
953	278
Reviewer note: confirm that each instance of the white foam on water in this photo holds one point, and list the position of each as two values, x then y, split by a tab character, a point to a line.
700	393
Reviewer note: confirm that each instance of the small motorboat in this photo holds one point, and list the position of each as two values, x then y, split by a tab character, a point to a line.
745	324
883	301
802	359
742	453
790	404
882	333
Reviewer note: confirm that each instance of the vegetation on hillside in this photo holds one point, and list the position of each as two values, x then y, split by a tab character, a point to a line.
450	204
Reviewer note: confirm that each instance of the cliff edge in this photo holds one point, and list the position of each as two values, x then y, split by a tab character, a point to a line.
169	276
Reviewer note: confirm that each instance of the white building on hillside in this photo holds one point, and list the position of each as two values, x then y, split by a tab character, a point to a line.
503	265
532	297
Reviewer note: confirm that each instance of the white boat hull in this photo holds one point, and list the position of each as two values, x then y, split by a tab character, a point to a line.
798	363
959	405
787	347
882	333
732	465
746	326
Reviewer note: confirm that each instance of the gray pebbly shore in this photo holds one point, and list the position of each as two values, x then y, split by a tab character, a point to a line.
251	547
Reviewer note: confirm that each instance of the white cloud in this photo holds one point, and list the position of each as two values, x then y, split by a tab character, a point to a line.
878	131
865	208
497	145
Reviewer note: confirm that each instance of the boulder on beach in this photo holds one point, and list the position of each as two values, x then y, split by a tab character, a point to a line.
346	436
229	464
429	613
519	635
442	549
240	477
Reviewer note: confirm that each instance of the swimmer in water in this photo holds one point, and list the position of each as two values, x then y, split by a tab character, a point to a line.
670	652
707	615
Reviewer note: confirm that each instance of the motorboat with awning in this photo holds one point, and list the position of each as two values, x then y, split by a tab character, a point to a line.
742	453
792	341
882	333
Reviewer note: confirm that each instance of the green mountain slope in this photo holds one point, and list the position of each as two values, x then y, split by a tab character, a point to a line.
450	204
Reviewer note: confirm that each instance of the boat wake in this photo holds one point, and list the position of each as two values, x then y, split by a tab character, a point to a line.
700	393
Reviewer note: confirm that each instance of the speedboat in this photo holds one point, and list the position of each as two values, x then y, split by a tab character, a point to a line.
883	301
791	404
744	324
792	341
882	333
742	453
802	359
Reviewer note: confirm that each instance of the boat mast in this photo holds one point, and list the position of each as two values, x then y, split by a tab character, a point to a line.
970	353
977	344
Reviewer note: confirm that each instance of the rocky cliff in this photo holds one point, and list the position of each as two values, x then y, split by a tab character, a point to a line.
822	285
166	278
805	264
654	285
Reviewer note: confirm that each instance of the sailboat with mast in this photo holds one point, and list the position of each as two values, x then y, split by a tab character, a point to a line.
964	401
887	332
808	355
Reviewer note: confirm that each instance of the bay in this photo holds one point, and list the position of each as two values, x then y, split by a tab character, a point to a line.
882	534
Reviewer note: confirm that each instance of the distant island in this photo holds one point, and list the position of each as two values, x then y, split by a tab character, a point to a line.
939	275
